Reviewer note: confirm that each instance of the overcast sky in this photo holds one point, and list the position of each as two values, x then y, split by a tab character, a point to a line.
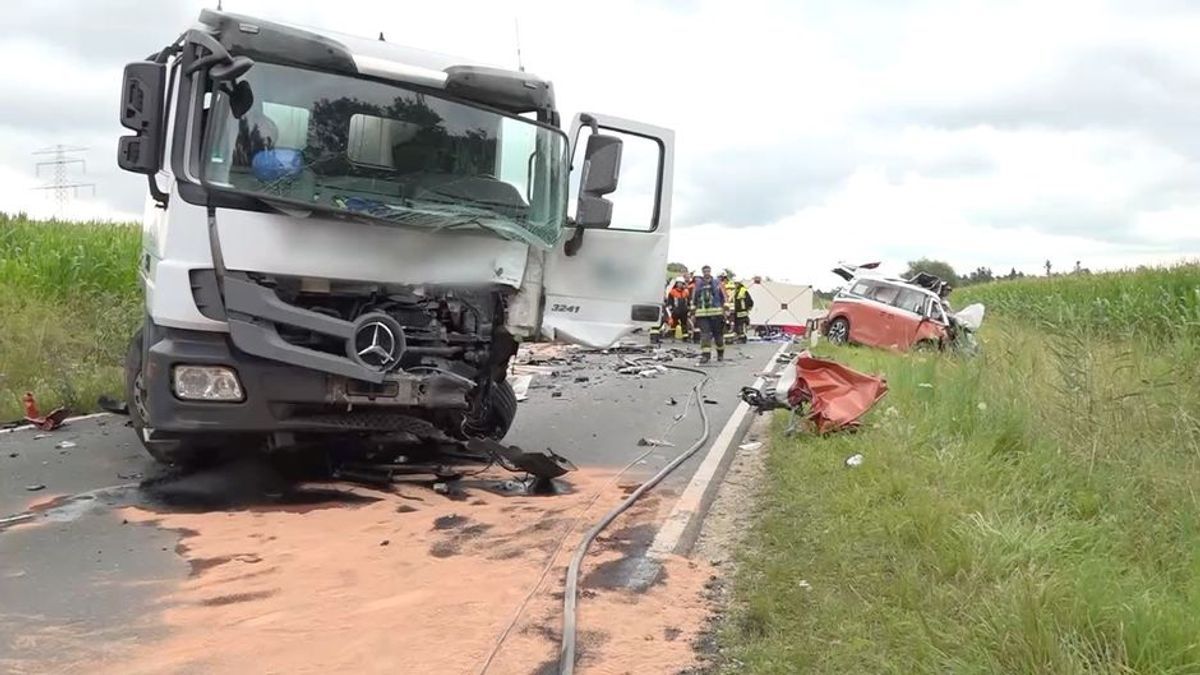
983	133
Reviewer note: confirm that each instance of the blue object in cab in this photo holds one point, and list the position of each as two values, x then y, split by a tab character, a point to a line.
272	165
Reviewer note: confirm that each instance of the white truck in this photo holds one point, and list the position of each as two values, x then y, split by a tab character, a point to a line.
347	237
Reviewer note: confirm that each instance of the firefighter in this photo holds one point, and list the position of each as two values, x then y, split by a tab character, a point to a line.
742	304
678	299
726	281
690	282
708	306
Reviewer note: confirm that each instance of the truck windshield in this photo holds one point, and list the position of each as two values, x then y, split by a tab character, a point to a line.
389	153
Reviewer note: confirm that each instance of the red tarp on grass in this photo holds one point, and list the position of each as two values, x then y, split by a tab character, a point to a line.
837	396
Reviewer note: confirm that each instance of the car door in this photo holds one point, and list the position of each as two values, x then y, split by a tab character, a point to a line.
908	317
602	284
878	316
856	306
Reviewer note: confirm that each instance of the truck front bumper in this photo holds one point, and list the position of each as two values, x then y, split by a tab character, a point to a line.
282	397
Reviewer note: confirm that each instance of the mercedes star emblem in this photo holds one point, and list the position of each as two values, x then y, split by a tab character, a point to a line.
375	344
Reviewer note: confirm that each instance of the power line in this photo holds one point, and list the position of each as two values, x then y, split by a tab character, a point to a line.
61	182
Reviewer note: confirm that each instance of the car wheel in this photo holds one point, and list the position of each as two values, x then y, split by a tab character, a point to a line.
839	331
182	452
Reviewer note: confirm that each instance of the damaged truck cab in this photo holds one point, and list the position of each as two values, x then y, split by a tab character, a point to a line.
346	236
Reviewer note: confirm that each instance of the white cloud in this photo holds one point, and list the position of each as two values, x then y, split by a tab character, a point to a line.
983	133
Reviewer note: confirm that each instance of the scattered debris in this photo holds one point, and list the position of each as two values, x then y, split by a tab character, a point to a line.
925	385
441	488
64	445
803	583
133	475
38	437
35	487
385	542
672	401
835	396
981	406
854	460
112	405
751	447
556	394
546	464
654	443
50	422
710	401
582	378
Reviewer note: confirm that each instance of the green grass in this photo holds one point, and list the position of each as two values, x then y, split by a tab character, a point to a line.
69	301
1159	304
1032	510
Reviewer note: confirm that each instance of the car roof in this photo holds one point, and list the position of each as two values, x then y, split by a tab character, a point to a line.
893	282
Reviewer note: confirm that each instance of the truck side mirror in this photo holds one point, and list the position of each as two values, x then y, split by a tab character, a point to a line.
601	171
142	94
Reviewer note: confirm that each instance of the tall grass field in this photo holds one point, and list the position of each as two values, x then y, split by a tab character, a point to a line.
1034	509
69	302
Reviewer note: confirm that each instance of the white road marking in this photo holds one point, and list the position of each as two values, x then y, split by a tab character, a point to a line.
27	427
690	505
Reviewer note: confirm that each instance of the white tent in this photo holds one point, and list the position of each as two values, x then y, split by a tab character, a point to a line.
780	304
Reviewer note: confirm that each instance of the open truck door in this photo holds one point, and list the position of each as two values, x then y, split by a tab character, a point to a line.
606	277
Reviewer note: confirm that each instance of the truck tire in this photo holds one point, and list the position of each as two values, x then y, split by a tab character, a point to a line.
839	331
183	452
503	410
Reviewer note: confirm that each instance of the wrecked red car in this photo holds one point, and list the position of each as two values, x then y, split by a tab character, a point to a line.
898	314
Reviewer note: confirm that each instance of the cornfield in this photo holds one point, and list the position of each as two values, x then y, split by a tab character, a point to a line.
1156	304
56	259
69	303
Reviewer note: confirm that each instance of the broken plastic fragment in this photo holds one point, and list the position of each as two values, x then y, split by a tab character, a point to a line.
751	447
64	445
520	386
654	443
854	460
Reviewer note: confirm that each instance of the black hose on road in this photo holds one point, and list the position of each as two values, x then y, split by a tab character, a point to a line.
566	656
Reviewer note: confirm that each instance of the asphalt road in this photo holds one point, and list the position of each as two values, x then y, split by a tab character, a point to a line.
72	562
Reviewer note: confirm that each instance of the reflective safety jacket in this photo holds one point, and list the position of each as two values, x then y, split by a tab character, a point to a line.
677	300
708	298
742	302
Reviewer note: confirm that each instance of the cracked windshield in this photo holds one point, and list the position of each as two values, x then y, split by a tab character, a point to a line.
388	153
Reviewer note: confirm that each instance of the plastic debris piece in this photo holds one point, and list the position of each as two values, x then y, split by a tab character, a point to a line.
925	385
64	445
751	447
672	401
655	443
520	386
854	460
35	487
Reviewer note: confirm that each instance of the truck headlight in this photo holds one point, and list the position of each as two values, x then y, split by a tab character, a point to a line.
206	383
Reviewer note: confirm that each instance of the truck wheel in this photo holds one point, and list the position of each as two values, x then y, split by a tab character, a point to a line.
176	452
503	410
839	331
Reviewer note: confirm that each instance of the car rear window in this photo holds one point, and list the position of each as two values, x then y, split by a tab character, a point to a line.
861	288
